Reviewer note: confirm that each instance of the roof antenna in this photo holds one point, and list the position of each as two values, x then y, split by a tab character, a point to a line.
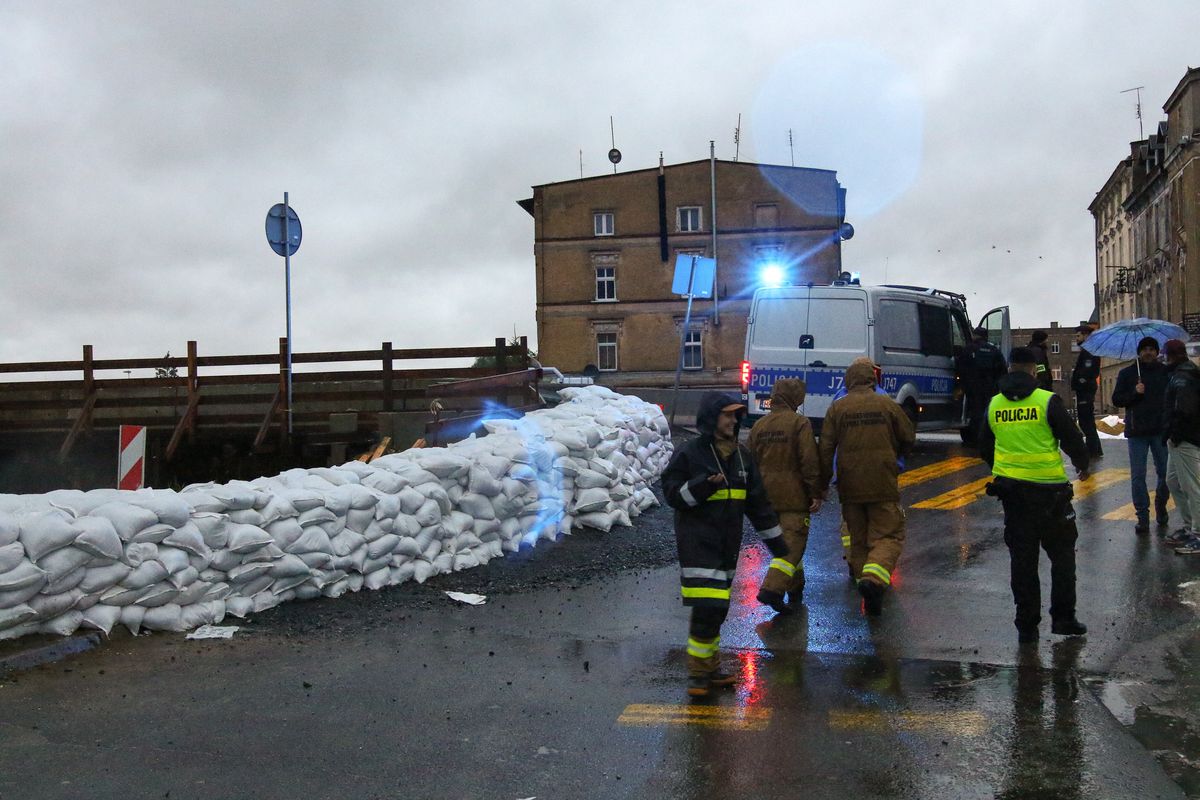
791	147
737	138
1137	109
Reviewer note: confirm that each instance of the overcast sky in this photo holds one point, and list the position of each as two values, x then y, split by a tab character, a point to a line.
141	145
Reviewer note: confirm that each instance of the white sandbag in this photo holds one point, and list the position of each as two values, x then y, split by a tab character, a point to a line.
158	595
378	579
193	616
98	536
410	500
338	476
245	538
239	606
225	560
403	572
10	529
167	617
63	625
244	573
129	520
101	617
590	500
152	533
359	519
44	532
11	555
422	571
214	528
347	542
316	560
65	582
482	482
282	585
23	575
268	552
236	495
63	561
131	618
49	606
457	522
597	519
382	546
306	591
477	505
428	514
406	546
183	578
388	507
99	579
437	493
590	479
193	592
287	566
317	516
284	531
217	591
174	559
384	481
146	574
247	516
444	563
167	506
16	615
522	472
442	463
122	596
314	539
301	499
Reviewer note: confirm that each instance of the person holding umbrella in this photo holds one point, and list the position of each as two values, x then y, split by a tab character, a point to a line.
1140	390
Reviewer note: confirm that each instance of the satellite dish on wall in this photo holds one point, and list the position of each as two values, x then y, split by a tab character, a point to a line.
614	156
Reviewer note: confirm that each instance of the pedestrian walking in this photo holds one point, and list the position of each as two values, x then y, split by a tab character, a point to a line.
868	433
712	482
1181	431
1026	427
980	366
1037	343
1085	379
1140	390
785	452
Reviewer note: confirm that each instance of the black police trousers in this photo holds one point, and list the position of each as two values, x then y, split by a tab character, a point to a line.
1085	409
1040	516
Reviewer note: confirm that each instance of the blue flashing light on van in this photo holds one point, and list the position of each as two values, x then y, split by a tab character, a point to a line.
911	333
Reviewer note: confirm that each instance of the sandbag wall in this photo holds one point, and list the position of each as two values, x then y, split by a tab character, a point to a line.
166	560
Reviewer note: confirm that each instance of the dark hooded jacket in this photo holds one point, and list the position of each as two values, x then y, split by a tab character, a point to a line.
1143	412
708	516
869	433
1045	378
1019	385
785	450
1181	406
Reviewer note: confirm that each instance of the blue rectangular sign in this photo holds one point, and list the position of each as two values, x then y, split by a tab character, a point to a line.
702	281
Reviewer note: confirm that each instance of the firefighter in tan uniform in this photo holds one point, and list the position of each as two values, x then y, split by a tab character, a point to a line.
785	451
868	432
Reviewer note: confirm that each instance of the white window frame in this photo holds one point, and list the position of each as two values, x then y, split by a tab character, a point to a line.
1056	373
606	277
607	340
682	212
1054	348
694	343
604	223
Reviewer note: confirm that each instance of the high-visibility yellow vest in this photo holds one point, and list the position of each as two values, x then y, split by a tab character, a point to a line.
1026	449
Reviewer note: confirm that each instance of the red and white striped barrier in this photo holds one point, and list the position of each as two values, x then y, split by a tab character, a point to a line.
131	464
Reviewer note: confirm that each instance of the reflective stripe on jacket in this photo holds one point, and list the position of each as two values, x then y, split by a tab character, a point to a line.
1026	449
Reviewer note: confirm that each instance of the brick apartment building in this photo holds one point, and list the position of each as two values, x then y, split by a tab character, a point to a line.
605	249
1062	352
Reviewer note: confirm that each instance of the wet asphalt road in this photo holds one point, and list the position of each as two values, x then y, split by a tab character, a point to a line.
568	683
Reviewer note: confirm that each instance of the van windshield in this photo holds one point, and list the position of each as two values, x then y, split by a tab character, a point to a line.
833	323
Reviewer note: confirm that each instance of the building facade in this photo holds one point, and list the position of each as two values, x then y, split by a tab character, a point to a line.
1147	220
605	250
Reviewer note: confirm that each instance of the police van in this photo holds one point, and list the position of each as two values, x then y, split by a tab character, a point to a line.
911	333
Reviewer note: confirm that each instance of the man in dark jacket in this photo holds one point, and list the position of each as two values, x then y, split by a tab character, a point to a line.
1026	427
786	453
1140	390
868	433
980	366
712	482
1084	380
1037	343
1181	429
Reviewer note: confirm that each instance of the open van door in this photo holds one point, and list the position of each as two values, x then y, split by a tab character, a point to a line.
999	329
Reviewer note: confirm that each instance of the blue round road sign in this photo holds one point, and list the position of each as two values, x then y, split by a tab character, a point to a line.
275	234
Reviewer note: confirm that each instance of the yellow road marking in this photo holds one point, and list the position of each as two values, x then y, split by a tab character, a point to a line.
724	717
963	723
936	470
1129	513
956	498
1100	480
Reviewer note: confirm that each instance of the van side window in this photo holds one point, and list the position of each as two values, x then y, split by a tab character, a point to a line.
959	329
935	331
897	326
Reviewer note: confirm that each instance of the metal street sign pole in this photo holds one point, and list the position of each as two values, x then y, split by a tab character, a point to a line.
287	270
687	321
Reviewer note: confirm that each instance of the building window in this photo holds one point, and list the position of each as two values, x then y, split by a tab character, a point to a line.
766	215
1056	373
606	284
687	219
693	350
603	221
1054	348
606	351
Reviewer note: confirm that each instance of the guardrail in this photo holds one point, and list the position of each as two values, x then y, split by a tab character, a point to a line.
190	392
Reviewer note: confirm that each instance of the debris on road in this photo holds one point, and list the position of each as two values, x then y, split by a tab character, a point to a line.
469	599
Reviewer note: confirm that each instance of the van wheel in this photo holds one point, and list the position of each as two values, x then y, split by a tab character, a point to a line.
910	410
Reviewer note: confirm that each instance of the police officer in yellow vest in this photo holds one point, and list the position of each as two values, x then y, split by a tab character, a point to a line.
1025	428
